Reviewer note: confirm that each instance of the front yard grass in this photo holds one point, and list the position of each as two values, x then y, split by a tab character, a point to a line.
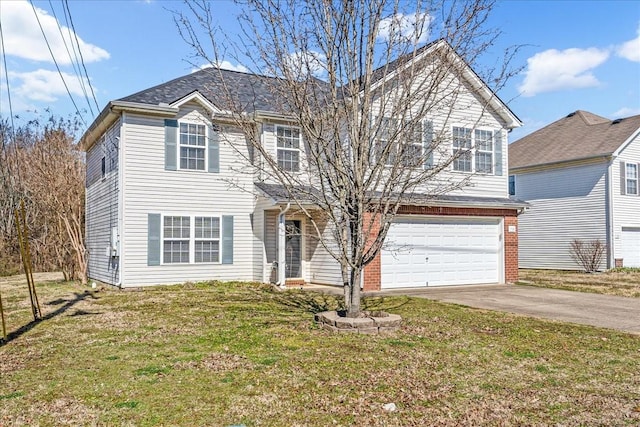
245	354
622	282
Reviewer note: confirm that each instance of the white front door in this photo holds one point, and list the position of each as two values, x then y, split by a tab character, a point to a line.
442	251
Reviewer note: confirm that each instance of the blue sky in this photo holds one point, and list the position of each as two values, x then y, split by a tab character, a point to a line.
576	55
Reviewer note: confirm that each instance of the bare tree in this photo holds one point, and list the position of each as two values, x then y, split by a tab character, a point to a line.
371	99
588	254
42	166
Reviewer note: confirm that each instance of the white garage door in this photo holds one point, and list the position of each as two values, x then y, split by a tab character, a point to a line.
437	252
630	242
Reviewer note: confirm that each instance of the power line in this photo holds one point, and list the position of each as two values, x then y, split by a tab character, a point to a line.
6	76
56	64
75	34
76	66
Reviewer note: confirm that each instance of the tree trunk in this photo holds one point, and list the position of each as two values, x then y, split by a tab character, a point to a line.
353	309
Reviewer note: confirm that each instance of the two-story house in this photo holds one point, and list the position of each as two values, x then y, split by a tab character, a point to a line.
580	176
170	197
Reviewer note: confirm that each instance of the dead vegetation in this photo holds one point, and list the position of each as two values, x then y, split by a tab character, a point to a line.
240	353
621	282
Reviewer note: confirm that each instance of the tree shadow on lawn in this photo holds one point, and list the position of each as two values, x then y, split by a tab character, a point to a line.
67	304
316	302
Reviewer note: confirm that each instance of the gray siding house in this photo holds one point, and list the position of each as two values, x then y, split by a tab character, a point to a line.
173	194
580	177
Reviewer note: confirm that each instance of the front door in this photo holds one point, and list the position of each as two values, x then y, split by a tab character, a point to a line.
293	249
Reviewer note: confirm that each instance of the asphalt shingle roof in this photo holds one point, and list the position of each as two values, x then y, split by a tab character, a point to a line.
579	135
251	91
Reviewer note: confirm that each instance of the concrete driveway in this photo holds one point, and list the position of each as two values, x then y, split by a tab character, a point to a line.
604	311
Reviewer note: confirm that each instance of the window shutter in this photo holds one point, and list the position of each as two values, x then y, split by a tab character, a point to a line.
623	178
427	141
153	239
214	150
497	150
170	144
227	240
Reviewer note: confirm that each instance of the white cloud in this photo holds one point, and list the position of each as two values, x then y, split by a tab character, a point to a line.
413	27
305	63
23	37
625	112
630	50
44	85
554	70
225	65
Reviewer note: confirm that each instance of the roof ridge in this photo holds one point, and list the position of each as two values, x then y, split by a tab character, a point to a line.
591	118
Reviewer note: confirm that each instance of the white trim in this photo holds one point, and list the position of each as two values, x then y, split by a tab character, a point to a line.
299	149
192	238
626	179
199	98
473	150
205	147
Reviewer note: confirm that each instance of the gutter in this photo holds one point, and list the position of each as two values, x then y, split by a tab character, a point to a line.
112	111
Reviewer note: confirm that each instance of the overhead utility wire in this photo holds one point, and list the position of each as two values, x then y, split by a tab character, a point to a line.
6	76
75	34
76	65
56	63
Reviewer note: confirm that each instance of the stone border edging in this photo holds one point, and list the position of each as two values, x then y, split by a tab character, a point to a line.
373	325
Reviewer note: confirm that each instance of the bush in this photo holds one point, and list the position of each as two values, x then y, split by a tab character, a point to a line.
588	254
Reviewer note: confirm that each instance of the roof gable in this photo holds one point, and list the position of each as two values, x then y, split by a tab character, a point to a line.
579	135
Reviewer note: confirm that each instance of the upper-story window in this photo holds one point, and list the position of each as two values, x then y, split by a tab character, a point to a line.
462	144
512	185
631	178
288	148
192	146
473	150
484	151
409	142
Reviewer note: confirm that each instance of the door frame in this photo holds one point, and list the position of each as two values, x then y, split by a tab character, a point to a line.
302	247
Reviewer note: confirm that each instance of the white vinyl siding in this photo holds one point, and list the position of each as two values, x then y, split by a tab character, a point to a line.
566	204
101	214
625	207
149	188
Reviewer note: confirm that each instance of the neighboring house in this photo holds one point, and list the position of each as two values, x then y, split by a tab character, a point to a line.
580	177
169	200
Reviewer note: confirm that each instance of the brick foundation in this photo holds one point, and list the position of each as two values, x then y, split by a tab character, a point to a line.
372	272
294	282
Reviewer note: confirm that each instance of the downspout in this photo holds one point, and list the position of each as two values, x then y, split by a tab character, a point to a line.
611	262
281	246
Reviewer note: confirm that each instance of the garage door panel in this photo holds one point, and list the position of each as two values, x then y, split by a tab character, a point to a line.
630	245
426	252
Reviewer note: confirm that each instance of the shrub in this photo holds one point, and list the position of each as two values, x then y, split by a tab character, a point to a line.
588	254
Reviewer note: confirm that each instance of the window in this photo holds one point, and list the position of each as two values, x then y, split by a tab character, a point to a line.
512	185
462	149
181	233
207	239
192	146
484	151
288	148
474	150
631	178
408	145
176	239
103	167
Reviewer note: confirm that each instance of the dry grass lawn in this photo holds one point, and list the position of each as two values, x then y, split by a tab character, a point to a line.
622	282
245	354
